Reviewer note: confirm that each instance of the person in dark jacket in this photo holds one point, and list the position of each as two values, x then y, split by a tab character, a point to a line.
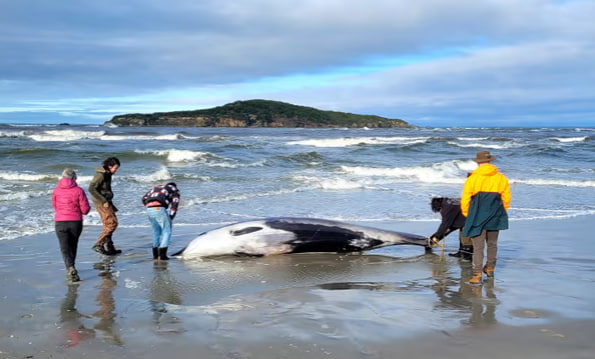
452	220
70	204
162	205
484	202
102	196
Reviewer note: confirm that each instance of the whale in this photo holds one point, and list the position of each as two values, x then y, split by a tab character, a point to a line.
286	235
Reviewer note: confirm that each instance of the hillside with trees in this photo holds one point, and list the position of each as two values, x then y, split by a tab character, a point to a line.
256	113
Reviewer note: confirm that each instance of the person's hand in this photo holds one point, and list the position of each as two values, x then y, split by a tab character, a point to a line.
433	242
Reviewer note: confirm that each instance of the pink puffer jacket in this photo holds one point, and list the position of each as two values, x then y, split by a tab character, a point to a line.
70	201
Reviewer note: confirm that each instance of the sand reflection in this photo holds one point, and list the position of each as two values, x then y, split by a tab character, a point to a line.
455	293
164	291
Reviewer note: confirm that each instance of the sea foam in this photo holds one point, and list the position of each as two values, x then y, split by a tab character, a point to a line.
358	141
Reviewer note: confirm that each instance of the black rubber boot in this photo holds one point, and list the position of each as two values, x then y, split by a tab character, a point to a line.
459	253
99	249
72	275
155	252
163	253
110	250
467	252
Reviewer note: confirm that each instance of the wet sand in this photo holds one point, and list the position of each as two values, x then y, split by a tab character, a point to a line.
393	302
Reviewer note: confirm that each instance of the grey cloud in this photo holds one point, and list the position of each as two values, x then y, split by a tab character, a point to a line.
57	49
184	43
542	81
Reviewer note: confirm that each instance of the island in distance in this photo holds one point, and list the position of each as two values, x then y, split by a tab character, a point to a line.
256	113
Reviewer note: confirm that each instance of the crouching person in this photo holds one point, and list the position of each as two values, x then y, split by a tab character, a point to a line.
162	205
452	220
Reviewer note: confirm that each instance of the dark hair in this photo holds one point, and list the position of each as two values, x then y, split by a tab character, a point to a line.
110	161
437	203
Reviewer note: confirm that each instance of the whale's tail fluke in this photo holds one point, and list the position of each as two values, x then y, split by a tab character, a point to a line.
416	239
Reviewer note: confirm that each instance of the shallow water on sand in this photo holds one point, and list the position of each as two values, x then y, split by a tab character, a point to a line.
298	306
289	306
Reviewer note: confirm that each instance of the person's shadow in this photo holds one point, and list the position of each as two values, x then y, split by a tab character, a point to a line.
107	305
76	332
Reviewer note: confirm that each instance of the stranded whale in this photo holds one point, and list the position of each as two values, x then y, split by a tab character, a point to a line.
284	235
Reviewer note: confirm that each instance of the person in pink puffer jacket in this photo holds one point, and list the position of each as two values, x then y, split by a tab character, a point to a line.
70	204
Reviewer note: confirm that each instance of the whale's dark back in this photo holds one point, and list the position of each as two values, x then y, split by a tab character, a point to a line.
317	237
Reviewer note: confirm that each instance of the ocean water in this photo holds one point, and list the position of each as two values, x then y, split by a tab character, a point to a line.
228	175
306	306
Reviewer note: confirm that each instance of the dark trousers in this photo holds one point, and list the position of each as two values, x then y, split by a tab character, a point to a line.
68	233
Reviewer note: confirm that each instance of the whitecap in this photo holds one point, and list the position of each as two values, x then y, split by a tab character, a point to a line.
446	172
570	139
237	197
472	138
162	174
330	183
15	176
22	195
65	135
553	182
486	145
12	134
185	156
170	137
358	141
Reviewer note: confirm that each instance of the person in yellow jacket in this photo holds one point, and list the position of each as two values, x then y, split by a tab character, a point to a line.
484	202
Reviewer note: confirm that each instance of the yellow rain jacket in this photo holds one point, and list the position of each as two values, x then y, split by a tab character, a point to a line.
485	200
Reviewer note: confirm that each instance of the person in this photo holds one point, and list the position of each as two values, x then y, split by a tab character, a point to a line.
102	196
158	200
452	220
484	202
70	204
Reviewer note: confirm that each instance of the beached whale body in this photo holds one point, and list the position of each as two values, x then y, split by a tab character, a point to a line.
284	235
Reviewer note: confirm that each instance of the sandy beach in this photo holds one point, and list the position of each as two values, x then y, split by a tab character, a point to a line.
392	302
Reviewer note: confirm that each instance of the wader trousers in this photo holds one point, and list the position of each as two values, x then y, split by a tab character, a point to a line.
110	223
487	239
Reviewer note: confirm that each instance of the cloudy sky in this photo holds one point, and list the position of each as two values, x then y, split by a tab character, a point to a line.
428	62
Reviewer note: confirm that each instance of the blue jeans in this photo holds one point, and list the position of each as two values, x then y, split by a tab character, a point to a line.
161	224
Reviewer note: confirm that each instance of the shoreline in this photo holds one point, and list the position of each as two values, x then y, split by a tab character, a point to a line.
394	300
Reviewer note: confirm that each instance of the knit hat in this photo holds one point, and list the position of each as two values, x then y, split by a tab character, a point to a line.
69	173
484	156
